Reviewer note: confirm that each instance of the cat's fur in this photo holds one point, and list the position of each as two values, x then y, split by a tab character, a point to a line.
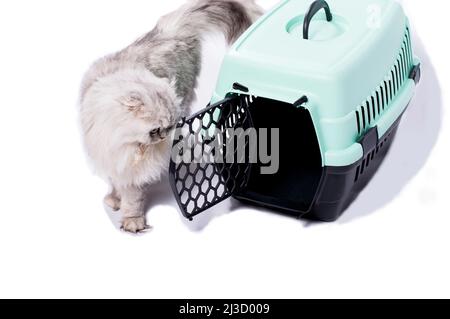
130	100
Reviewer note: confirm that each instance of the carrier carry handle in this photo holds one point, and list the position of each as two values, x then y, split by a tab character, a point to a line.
315	7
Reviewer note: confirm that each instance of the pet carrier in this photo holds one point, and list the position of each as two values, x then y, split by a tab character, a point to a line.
334	78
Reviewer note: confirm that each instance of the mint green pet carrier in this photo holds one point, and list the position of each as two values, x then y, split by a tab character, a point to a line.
334	78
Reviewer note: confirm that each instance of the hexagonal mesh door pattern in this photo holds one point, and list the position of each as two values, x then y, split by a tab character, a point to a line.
201	172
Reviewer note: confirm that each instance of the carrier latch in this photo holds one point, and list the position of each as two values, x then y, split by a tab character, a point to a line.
369	141
416	74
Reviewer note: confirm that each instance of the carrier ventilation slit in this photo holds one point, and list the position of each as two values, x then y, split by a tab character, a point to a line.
404	62
391	93
397	80
388	89
378	103
401	70
386	92
358	122
368	112
363	117
373	108
365	165
395	88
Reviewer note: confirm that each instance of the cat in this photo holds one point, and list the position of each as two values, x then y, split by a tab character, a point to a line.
131	100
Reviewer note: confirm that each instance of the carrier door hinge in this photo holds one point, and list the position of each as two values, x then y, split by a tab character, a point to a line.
240	87
369	141
301	101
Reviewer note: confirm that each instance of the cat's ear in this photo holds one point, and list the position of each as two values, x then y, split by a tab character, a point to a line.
133	101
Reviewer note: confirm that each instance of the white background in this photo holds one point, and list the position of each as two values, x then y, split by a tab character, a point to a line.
56	239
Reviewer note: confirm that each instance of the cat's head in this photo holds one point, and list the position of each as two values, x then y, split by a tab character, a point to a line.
130	107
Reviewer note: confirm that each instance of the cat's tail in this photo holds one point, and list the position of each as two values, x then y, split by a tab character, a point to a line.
232	17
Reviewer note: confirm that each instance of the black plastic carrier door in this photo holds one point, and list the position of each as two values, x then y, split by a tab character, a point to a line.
204	168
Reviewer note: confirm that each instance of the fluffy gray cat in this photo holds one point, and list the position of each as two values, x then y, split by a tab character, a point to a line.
131	100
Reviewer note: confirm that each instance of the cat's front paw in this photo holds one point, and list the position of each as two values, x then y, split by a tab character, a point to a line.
135	225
